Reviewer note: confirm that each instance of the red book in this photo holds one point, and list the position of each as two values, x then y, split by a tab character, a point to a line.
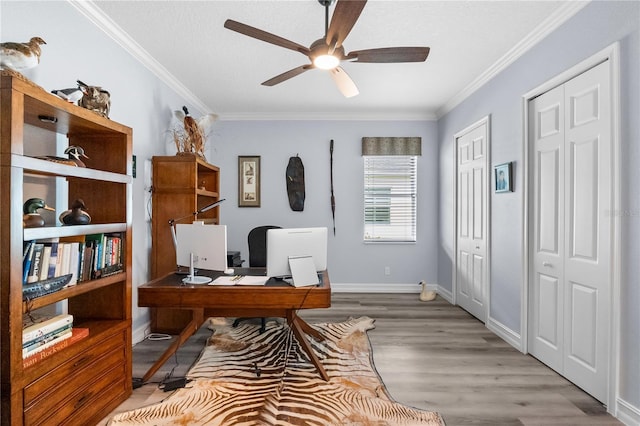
77	334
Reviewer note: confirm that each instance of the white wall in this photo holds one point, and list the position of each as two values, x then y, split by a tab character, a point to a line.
595	27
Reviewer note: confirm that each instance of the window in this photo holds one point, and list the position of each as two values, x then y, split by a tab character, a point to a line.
390	198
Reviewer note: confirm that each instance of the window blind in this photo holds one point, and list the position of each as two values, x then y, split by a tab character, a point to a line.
390	198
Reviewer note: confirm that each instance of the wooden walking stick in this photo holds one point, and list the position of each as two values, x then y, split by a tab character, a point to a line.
333	198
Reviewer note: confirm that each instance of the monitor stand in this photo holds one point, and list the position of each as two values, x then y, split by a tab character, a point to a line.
192	278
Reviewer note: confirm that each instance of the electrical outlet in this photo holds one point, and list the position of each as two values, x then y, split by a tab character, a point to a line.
387	270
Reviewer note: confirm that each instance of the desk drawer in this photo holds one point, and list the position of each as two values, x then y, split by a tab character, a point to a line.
58	394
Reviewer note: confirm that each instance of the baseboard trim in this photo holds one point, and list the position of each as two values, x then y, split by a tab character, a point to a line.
446	294
627	413
505	333
380	287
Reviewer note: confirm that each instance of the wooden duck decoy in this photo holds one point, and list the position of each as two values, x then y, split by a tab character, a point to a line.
74	153
32	218
76	215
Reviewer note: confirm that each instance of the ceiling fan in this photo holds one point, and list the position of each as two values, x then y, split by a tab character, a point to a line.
327	52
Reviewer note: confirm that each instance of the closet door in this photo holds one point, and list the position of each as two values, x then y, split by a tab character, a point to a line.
471	275
571	230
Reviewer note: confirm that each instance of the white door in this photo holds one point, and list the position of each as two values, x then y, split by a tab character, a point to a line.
473	189
570	128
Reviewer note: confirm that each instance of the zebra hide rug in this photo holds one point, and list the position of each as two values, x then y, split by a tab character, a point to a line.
246	378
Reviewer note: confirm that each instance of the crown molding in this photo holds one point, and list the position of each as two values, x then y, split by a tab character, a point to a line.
106	24
554	21
326	116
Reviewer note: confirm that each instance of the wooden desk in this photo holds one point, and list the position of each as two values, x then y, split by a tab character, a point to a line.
274	299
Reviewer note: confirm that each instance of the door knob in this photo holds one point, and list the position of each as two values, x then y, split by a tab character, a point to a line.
547	264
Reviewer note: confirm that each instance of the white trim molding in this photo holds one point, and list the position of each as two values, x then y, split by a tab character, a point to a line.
380	287
627	413
504	332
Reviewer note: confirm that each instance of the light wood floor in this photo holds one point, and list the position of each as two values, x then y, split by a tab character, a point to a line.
430	355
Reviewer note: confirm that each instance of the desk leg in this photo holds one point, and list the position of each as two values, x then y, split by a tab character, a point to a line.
299	328
197	318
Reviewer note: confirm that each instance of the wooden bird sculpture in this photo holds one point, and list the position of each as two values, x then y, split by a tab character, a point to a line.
19	56
74	153
95	98
32	218
76	215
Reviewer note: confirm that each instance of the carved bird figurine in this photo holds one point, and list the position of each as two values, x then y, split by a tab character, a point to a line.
76	215
32	218
19	56
95	98
74	153
72	94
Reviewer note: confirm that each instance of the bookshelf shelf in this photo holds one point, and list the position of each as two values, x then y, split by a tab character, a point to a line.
83	381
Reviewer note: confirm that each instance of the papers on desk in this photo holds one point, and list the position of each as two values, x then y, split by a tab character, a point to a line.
240	280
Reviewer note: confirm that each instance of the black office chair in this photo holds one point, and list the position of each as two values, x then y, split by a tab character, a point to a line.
257	240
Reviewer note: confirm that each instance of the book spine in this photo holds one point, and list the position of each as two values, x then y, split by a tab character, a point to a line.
34	271
46	258
74	262
53	260
26	264
76	335
48	342
34	330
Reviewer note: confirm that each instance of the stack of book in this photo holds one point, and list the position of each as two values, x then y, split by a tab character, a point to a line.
43	336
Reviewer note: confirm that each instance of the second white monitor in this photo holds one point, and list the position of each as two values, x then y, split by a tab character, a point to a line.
291	242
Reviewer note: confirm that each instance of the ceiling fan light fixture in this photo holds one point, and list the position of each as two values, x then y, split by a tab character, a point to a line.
326	62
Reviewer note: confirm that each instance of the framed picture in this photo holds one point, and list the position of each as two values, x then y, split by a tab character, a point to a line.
503	177
248	181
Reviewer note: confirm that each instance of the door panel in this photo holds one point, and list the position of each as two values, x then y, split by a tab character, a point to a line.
546	327
471	281
588	232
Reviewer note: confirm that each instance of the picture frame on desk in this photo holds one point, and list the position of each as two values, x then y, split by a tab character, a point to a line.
249	181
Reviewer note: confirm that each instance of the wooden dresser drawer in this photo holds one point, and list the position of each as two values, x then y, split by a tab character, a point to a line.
57	395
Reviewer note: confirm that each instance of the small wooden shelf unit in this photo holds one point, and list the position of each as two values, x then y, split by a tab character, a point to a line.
85	381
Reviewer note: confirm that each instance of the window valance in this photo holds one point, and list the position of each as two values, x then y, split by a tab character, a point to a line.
391	146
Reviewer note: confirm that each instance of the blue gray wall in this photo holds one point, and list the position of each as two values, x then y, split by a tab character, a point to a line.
350	259
592	29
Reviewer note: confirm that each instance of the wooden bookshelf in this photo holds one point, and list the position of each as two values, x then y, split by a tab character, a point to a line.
85	381
182	184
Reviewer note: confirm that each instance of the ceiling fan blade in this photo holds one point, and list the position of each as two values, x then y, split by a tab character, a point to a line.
287	75
390	55
344	17
346	86
264	36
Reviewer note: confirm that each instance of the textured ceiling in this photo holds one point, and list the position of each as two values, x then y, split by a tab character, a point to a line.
223	69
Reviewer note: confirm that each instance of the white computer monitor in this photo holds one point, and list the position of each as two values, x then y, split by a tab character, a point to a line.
201	246
294	242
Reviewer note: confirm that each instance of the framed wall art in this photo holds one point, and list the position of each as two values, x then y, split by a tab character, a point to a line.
503	177
248	181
